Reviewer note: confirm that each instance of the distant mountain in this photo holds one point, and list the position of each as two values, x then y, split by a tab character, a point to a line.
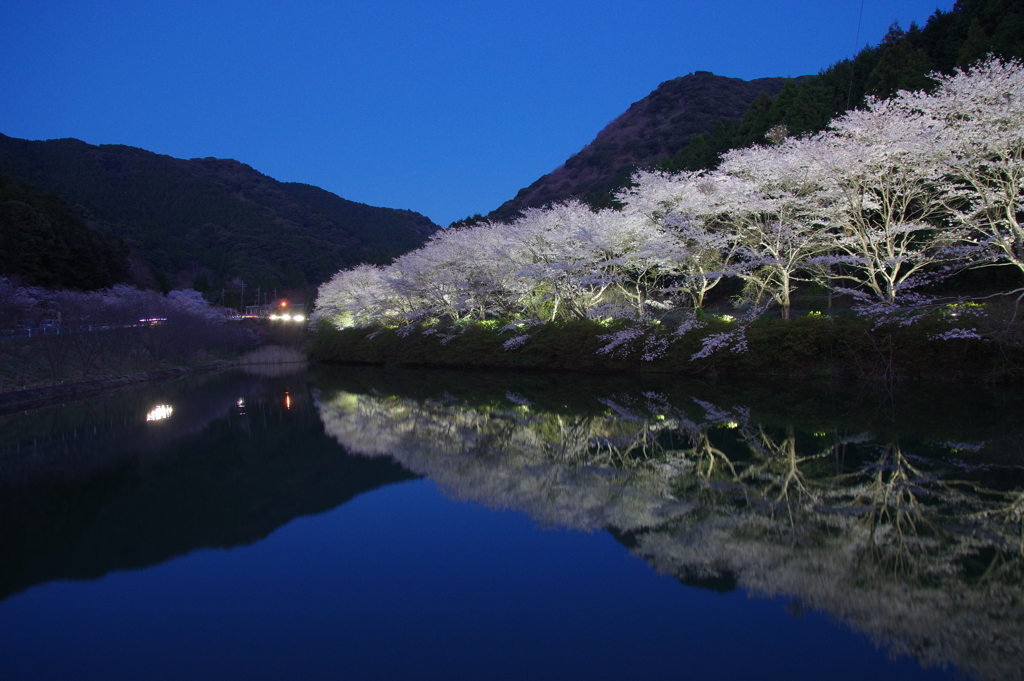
656	127
208	222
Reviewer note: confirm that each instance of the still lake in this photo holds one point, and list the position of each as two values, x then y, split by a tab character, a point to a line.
394	524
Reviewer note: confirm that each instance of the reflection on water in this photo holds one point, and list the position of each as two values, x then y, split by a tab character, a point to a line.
160	412
900	515
96	486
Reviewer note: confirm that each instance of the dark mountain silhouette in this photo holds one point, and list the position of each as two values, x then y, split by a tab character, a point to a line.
210	221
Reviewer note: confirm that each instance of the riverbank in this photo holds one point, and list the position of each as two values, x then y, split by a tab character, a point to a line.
14	400
267	360
812	346
50	360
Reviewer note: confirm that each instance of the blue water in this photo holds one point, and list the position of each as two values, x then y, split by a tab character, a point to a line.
404	583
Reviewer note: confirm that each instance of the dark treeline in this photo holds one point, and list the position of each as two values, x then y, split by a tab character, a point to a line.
687	123
658	125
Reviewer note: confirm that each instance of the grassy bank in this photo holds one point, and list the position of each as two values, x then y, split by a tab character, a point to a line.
819	346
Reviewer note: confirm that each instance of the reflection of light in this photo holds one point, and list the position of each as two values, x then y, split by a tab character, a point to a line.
287	401
159	412
287	317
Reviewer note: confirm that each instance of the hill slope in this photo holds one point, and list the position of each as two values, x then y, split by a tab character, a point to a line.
211	220
657	126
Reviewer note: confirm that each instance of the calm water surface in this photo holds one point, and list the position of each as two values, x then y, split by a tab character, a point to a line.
363	523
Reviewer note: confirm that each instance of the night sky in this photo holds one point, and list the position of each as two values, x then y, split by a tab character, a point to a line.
447	108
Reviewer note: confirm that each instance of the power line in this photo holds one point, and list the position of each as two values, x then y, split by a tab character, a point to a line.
853	61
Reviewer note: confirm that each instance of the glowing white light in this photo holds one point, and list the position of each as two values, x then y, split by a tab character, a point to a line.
287	317
241	402
159	412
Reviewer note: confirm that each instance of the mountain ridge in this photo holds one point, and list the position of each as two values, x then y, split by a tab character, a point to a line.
211	221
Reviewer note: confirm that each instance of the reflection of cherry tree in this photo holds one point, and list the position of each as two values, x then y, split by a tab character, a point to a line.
921	552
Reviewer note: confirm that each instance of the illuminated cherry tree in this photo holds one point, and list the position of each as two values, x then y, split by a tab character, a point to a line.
902	193
979	115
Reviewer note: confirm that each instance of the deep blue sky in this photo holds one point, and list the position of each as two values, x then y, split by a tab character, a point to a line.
443	107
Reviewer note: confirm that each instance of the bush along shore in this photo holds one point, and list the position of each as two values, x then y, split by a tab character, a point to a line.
847	347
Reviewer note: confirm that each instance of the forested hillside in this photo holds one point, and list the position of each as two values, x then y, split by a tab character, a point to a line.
207	222
658	125
902	61
689	122
43	242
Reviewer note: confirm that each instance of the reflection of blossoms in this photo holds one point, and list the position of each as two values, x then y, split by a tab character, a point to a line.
920	553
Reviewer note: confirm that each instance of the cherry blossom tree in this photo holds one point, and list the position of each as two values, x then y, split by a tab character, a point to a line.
634	255
882	195
775	223
979	117
361	296
903	192
688	206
